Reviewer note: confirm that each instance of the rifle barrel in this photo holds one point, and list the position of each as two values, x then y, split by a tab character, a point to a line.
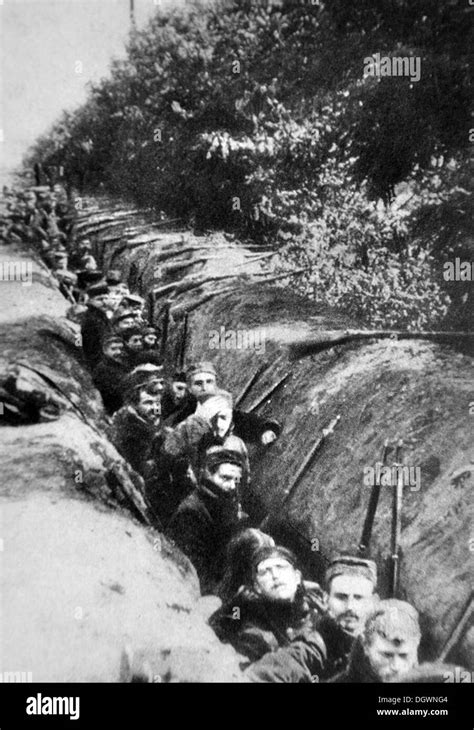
456	633
249	384
289	491
269	392
372	509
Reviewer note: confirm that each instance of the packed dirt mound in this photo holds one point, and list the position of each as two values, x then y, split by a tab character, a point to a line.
416	391
89	592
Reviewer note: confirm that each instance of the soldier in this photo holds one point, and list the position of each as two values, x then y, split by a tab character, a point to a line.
108	374
122	321
135	427
320	654
211	425
206	520
272	610
133	340
388	647
150	339
146	374
202	381
95	323
175	395
238	566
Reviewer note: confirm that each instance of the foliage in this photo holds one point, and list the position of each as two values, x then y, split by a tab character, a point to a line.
256	115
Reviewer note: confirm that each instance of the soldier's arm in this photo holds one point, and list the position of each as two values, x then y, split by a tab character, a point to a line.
301	662
251	427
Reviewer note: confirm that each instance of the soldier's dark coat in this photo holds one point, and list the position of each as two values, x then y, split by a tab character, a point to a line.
202	526
358	669
134	438
316	657
94	326
263	630
107	377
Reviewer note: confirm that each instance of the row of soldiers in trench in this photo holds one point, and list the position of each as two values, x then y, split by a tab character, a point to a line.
189	444
182	435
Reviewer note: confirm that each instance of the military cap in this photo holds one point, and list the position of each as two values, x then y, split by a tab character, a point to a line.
111	338
140	377
87	278
351	565
203	366
97	290
273	551
118	316
217	455
393	619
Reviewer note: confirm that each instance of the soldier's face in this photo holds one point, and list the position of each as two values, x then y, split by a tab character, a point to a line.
101	302
157	385
227	477
390	660
135	343
149	408
277	579
203	383
179	391
350	599
125	323
221	423
114	350
115	297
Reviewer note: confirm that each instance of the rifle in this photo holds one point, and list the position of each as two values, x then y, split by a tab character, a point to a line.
397	503
269	392
290	490
327	339
364	545
182	348
164	329
458	629
250	382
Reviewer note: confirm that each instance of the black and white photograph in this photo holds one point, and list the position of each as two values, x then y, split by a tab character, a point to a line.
236	373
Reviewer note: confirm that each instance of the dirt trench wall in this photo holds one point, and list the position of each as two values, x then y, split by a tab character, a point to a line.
415	390
88	592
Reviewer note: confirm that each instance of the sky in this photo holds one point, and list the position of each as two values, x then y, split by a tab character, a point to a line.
49	51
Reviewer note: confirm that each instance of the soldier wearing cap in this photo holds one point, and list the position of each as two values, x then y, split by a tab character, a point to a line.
320	654
184	447
205	521
202	381
150	339
387	649
123	320
110	371
133	341
135	427
272	610
95	323
146	374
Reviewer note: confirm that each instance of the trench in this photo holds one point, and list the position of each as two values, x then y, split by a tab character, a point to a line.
204	287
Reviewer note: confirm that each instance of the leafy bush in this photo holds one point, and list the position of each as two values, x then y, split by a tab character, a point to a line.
256	115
